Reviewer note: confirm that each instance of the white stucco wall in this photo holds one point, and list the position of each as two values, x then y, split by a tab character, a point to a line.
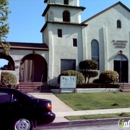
56	14
62	47
18	55
45	36
104	29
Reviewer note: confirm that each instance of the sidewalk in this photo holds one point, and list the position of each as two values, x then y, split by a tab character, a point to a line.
61	109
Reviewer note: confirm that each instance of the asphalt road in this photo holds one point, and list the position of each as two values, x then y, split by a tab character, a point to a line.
99	127
100	124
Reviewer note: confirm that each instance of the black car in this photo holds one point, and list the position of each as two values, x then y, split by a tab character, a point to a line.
21	111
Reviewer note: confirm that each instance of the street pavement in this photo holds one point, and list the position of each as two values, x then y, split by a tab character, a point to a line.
61	109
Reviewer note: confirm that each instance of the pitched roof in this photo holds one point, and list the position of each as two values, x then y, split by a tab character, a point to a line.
59	5
118	3
28	46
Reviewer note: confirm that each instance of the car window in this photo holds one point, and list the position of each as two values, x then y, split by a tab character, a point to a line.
5	97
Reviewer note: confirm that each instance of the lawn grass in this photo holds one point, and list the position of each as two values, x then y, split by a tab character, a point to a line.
98	116
93	101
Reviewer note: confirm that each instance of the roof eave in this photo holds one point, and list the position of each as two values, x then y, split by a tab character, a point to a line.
75	24
48	6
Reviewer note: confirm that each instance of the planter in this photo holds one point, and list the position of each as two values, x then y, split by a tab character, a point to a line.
88	90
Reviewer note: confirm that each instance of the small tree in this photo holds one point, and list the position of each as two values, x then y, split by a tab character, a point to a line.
4	28
88	67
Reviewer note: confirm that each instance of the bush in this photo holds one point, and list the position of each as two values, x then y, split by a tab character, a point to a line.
80	77
109	76
8	79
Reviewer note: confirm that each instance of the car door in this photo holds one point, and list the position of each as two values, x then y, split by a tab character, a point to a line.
5	100
11	108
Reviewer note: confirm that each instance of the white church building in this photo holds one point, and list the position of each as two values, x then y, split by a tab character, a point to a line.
67	40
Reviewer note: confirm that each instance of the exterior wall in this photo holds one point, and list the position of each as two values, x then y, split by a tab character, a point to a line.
75	14
104	29
45	36
62	48
18	55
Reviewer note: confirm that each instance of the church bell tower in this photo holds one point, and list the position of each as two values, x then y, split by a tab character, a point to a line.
62	32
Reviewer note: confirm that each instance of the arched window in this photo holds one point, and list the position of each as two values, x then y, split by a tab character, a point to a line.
118	24
66	2
95	50
66	16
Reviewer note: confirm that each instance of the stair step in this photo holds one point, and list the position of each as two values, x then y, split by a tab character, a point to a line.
125	87
33	87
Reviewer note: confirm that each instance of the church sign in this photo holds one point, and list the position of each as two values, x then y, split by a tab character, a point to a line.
67	83
119	43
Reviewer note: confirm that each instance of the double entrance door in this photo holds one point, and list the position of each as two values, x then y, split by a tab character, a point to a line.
121	66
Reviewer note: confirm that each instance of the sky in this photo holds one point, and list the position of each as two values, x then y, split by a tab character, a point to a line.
25	20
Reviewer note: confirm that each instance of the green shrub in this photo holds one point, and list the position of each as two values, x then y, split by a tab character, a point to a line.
8	79
79	76
109	76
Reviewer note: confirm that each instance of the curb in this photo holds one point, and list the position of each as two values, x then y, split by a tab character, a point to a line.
91	122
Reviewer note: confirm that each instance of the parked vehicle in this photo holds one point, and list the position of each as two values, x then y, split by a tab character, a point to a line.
21	111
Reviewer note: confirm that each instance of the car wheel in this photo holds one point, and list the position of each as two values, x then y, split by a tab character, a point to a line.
23	124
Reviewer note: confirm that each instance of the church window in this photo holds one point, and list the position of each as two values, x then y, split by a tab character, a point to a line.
95	50
68	64
66	16
59	31
66	2
118	24
75	42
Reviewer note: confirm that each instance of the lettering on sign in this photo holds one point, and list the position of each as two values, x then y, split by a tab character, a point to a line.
119	43
68	82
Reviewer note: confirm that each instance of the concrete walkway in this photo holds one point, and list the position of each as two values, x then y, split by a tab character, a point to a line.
57	105
61	109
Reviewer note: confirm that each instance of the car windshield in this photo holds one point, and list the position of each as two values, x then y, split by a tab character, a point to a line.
30	95
27	94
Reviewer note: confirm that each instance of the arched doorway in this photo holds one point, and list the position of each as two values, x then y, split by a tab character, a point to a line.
33	68
121	66
9	64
